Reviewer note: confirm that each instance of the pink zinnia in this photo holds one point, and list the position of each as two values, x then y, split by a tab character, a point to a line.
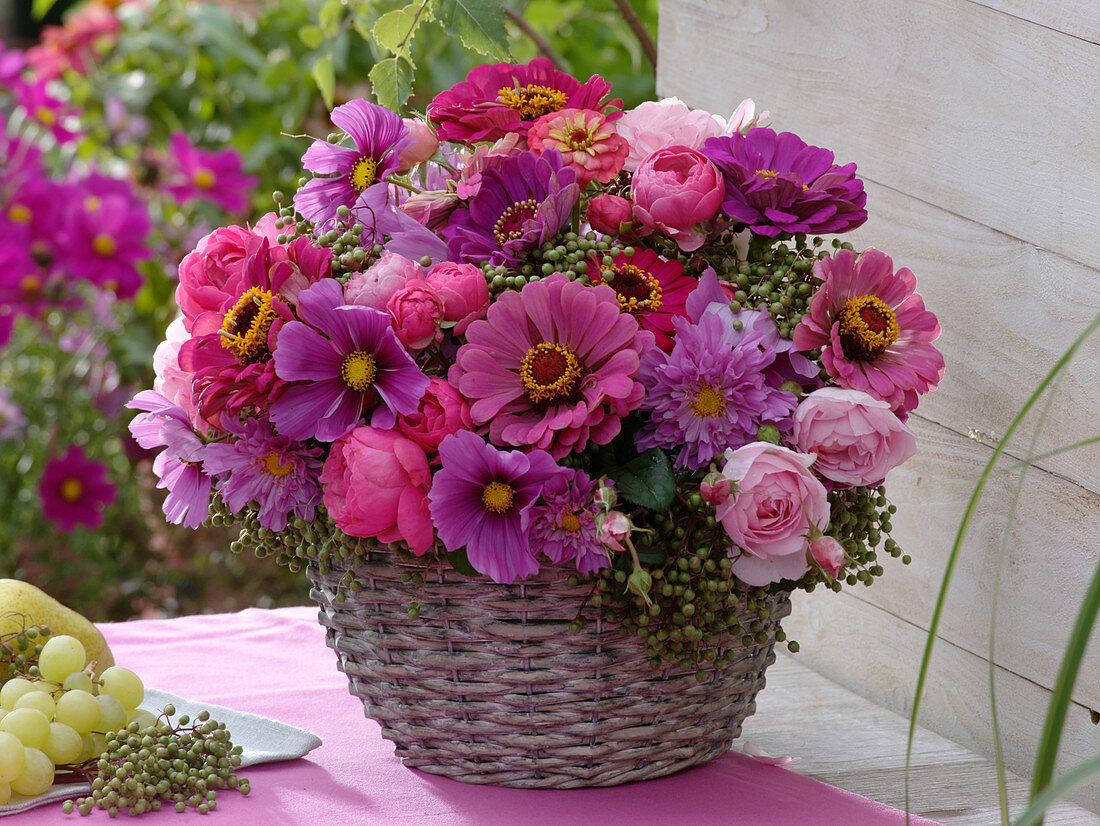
653	290
552	366
75	490
587	141
873	330
217	176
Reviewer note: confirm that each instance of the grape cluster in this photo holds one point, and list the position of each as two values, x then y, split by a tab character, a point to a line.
19	649
146	767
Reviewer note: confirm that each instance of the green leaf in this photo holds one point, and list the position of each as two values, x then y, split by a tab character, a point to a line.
312	36
391	80
461	563
331	13
325	77
646	480
478	23
394	30
40	8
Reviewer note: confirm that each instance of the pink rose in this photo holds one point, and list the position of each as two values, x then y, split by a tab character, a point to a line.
203	273
376	485
857	438
675	190
715	489
656	124
614	528
607	213
417	312
442	411
777	503
421	147
465	293
828	553
376	285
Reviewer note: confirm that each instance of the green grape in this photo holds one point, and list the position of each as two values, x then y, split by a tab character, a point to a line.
124	684
63	744
78	680
112	713
144	719
12	690
28	724
78	709
94	745
12	757
61	656
37	774
40	700
5	793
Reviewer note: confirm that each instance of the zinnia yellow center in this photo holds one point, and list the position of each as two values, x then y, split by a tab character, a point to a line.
510	224
72	489
364	173
498	497
358	370
550	373
533	101
104	245
245	328
275	467
20	214
638	290
204	178
570	522
867	327
708	401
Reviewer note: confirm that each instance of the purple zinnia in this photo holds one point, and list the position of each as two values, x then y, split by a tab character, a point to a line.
564	526
522	203
179	466
75	490
349	361
279	474
379	136
777	183
216	176
481	498
711	393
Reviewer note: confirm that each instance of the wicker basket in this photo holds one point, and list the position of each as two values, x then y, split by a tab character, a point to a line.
488	685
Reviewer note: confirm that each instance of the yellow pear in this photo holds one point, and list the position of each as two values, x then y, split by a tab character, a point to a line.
22	603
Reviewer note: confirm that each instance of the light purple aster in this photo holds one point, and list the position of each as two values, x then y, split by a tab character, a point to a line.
379	136
179	466
523	202
711	392
280	475
564	526
778	183
481	499
347	360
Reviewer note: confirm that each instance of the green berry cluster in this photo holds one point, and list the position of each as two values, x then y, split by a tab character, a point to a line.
579	256
861	522
19	649
182	765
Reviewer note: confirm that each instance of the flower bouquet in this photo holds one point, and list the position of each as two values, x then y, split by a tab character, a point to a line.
556	403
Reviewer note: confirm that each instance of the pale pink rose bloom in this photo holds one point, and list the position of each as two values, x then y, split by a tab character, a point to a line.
465	293
614	529
417	313
828	553
484	158
778	501
857	438
675	191
744	117
376	485
657	124
607	213
421	147
172	381
376	285
442	412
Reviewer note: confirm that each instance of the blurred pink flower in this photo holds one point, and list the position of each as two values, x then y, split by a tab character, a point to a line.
75	490
217	176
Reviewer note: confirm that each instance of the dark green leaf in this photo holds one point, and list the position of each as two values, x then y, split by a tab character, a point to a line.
391	80
646	480
479	24
461	563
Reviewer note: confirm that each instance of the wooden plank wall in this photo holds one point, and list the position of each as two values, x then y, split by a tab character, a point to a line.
976	126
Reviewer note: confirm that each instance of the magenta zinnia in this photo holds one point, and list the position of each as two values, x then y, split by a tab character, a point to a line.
552	367
75	490
873	330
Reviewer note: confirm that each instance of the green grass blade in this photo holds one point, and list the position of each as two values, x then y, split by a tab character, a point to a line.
1079	774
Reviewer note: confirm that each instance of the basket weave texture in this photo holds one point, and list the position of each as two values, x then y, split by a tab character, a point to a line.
488	685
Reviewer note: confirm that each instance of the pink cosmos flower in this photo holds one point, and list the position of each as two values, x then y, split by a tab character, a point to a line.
873	330
75	490
675	191
464	291
218	176
857	438
377	284
442	412
417	313
49	112
778	500
106	231
376	485
586	139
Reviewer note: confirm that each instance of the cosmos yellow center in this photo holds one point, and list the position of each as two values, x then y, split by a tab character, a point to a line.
708	401
204	178
92	203
276	468
509	225
245	328
45	115
72	489
867	327
570	522
498	497
550	373
364	173
104	245
638	290
533	101
358	370
30	287
20	214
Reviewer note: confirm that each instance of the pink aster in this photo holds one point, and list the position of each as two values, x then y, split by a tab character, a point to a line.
75	490
563	524
587	141
218	176
874	332
552	366
652	289
499	98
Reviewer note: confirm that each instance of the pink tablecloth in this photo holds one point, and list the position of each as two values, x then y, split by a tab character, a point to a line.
275	663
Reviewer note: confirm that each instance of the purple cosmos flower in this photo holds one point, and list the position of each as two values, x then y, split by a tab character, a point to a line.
564	526
106	228
349	361
194	173
74	490
552	366
481	498
711	392
379	136
179	466
12	419
522	203
280	475
777	183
